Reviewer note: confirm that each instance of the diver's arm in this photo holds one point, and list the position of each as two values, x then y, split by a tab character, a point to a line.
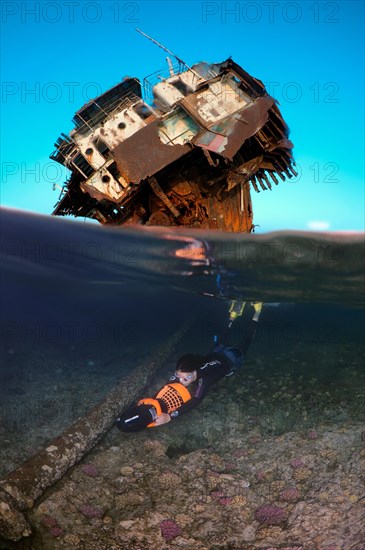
164	418
196	399
186	407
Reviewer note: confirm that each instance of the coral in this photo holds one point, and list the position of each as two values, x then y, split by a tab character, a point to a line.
49	522
126	471
330	454
297	463
213	479
291	494
184	519
213	473
260	475
301	474
155	447
277	485
270	514
169	479
216	461
90	511
273	533
239	453
52	525
169	529
238	501
71	540
56	531
89	470
128	499
312	434
107	520
216	495
225	501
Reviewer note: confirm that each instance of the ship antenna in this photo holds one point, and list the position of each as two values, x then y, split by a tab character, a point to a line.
166	49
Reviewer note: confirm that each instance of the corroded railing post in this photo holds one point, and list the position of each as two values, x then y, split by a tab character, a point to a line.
20	488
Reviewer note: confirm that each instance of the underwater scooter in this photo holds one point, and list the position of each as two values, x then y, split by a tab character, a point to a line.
144	413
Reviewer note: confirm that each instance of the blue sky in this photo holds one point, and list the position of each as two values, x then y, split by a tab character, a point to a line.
57	55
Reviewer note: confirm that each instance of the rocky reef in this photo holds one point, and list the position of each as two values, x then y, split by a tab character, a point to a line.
270	460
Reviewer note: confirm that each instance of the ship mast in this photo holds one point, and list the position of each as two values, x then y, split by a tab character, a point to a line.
169	52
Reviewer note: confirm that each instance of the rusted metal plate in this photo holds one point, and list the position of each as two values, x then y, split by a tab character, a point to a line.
241	126
143	154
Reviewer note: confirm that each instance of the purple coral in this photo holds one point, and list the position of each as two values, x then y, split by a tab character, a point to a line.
260	475
291	494
312	434
238	453
216	495
49	522
90	511
169	529
56	531
90	470
213	473
225	501
297	463
52	525
270	514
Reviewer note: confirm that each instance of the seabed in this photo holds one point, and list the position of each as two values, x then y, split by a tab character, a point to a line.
273	458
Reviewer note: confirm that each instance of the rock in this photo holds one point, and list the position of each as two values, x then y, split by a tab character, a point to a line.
126	471
13	525
249	533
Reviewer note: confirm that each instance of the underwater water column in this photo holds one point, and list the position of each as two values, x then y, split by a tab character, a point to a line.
20	488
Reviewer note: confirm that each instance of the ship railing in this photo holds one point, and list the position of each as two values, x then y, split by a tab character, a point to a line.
173	68
108	111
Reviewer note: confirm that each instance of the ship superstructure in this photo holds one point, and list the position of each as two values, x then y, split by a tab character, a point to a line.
183	151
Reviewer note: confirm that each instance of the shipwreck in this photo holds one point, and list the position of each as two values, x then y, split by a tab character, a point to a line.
179	150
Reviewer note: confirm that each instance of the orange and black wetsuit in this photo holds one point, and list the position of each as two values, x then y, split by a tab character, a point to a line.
214	367
221	362
176	399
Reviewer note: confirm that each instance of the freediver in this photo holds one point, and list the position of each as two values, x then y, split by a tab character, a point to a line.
196	372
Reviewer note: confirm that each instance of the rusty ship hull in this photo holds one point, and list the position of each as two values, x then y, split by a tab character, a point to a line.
183	150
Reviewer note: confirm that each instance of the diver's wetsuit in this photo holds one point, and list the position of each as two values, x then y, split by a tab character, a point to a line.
175	399
221	362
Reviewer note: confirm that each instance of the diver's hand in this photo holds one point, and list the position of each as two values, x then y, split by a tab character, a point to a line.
163	418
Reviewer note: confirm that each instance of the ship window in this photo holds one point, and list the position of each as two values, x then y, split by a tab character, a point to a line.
81	163
142	110
113	169
182	87
101	147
